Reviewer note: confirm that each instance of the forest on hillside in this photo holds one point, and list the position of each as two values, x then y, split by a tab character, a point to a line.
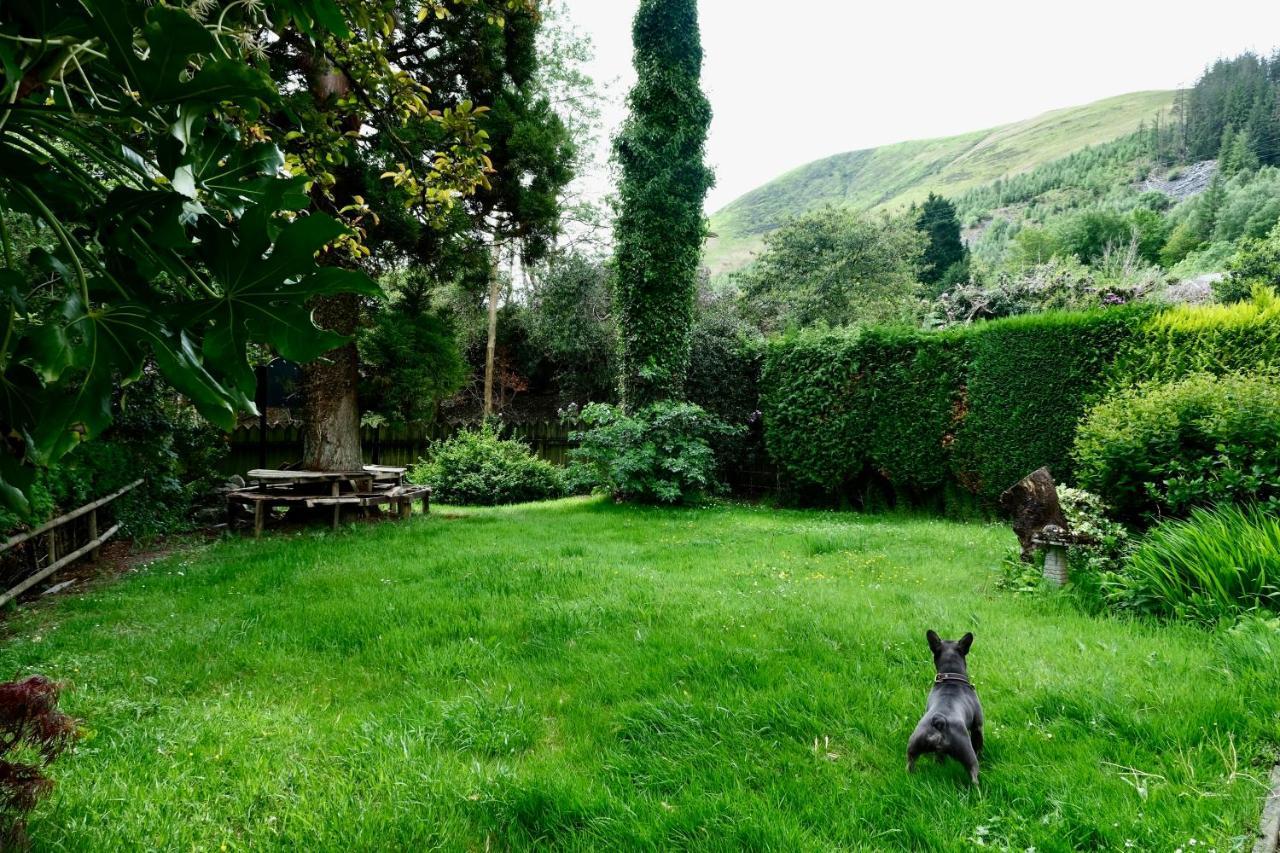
1184	207
1189	187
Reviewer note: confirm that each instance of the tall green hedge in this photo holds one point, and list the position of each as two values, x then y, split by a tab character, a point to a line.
846	409
920	413
1218	339
975	409
1029	382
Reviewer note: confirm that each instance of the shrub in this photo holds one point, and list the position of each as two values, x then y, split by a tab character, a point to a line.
1029	381
1093	567
1212	566
30	726
156	436
1256	264
478	467
1161	449
1188	339
660	454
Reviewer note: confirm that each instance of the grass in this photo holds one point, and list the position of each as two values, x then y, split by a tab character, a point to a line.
578	675
894	176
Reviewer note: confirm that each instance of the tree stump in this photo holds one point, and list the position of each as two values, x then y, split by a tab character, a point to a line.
1033	505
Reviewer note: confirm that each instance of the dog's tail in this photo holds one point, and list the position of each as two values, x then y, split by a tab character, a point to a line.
939	725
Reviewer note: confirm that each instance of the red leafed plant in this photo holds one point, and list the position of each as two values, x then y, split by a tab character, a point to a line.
32	726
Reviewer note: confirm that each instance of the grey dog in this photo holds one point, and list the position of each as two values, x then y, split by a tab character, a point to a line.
952	721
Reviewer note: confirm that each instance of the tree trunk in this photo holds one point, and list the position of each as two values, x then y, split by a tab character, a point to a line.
492	344
331	437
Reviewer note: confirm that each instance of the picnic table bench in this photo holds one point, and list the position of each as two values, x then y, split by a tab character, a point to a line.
371	486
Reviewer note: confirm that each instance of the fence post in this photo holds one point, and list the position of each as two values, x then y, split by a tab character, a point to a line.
261	401
93	534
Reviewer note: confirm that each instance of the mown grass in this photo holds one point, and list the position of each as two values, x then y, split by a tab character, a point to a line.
579	675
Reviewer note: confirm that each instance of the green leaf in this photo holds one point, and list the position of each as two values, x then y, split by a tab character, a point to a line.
264	293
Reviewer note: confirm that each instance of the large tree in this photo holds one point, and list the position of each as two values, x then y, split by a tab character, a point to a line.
417	57
468	58
835	266
170	225
944	253
660	225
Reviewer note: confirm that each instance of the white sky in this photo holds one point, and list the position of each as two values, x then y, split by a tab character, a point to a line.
794	80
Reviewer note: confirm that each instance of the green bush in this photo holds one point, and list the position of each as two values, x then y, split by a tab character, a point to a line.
1161	449
156	436
660	454
1210	567
479	468
1256	264
1188	339
1029	381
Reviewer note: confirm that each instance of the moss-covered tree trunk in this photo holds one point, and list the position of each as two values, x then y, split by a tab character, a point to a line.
660	224
331	437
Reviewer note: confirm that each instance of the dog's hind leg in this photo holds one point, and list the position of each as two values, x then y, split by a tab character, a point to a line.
964	753
976	737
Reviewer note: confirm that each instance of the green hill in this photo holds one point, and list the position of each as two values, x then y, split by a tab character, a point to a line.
897	175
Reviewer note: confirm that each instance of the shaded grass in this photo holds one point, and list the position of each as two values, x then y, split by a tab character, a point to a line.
579	675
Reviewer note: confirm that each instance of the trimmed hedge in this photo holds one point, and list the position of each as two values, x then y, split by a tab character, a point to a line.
849	410
925	415
844	409
1217	339
1029	382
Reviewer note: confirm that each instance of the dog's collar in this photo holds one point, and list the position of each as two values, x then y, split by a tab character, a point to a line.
951	678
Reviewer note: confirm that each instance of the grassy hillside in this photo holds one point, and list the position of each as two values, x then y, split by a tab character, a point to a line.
896	175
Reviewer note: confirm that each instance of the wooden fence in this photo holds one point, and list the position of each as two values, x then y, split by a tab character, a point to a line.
401	446
22	558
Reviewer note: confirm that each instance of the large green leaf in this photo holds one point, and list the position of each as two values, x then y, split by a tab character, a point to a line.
264	294
161	70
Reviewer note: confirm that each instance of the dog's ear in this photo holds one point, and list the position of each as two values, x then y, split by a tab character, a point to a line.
965	642
935	642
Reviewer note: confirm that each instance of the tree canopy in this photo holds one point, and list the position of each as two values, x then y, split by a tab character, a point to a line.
837	267
180	189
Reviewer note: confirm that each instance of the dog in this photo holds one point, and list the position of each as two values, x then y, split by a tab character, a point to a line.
952	721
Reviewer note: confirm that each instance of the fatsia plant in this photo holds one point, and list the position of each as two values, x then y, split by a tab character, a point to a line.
138	144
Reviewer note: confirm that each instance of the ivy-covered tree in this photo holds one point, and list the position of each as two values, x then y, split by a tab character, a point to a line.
660	227
944	253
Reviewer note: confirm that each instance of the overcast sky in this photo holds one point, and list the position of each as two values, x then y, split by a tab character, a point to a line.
794	80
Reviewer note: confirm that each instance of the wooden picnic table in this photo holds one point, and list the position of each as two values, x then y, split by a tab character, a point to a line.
372	485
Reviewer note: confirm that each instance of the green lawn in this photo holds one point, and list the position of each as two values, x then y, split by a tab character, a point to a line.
580	675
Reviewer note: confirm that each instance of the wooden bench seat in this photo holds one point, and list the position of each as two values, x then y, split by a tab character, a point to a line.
264	498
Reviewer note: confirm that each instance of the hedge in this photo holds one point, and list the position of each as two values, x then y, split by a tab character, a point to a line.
843	408
1218	339
917	411
1030	380
922	413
